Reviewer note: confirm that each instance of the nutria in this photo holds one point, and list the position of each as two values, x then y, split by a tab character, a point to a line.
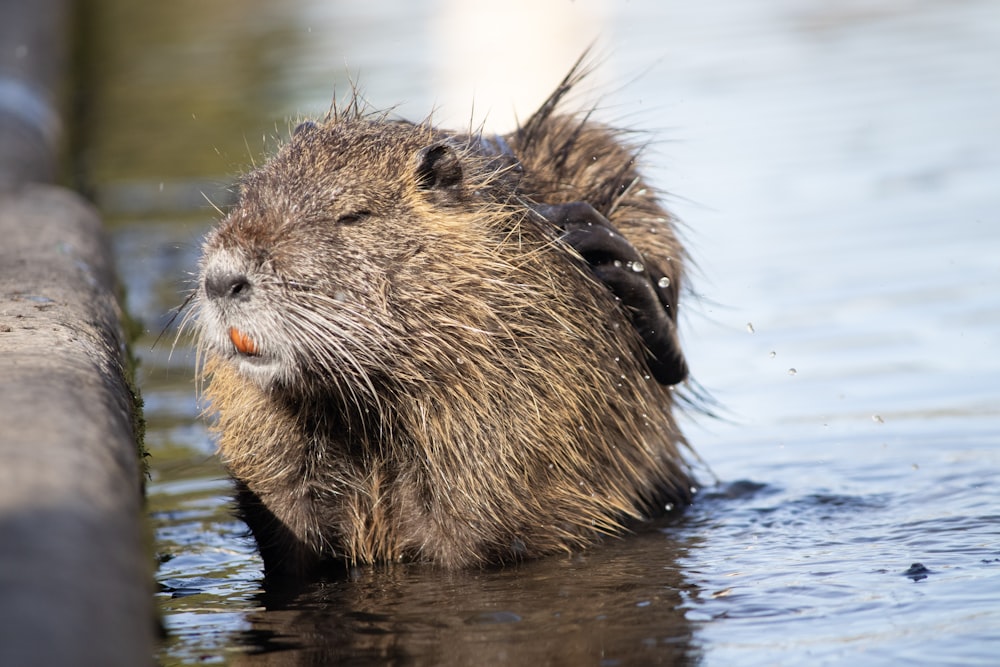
442	346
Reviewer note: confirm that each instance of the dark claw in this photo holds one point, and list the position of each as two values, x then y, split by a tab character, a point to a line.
619	265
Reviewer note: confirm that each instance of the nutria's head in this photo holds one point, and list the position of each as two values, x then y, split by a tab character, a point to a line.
368	255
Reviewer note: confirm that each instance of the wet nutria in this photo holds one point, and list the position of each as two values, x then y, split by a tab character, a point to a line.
437	346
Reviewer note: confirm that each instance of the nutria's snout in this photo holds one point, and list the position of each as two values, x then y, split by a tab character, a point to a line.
226	276
227	305
227	284
224	289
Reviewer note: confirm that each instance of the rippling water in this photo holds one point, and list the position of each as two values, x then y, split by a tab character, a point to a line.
838	168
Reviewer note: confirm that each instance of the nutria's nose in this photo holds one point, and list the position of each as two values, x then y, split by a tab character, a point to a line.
227	285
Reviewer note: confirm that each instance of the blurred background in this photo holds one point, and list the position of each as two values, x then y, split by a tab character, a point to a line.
837	170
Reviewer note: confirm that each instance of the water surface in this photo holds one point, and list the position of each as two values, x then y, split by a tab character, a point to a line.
838	169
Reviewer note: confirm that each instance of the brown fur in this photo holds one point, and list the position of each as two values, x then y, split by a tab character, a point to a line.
440	378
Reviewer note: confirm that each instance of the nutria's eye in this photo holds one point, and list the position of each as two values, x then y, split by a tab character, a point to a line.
352	218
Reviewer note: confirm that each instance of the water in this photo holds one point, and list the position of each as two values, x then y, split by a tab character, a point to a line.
838	168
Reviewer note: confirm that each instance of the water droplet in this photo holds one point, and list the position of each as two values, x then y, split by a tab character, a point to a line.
460	361
618	263
669	507
792	371
617	359
636	266
750	327
772	354
878	419
663	283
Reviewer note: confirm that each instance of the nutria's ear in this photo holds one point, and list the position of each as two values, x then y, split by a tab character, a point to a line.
647	294
438	166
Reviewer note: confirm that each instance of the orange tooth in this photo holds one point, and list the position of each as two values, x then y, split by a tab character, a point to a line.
242	342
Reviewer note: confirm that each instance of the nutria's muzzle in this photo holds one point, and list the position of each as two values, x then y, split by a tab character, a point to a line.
223	284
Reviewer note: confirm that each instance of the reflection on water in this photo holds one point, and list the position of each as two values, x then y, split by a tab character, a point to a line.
837	166
559	611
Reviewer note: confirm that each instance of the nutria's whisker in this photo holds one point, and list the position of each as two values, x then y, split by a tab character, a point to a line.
175	313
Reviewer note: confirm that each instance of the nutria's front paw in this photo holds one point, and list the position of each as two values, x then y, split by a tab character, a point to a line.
645	291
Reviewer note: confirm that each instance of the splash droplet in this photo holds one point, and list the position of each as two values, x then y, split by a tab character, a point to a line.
772	354
792	371
878	419
750	327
